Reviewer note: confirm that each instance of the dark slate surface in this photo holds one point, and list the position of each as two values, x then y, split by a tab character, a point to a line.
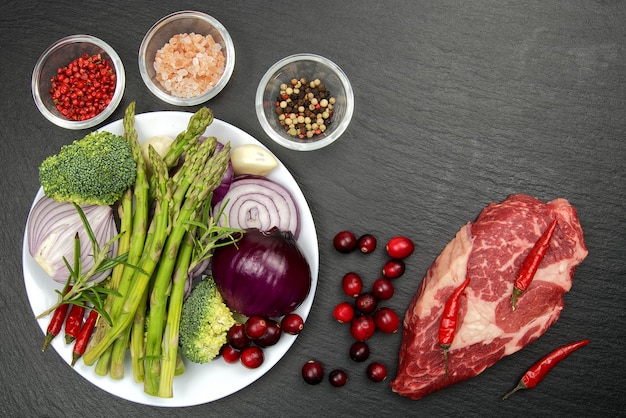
457	104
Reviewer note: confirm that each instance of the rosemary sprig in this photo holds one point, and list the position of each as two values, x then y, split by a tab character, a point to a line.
210	235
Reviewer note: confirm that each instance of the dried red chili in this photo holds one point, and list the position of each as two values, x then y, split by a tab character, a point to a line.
56	322
84	88
539	370
531	263
74	323
449	318
83	337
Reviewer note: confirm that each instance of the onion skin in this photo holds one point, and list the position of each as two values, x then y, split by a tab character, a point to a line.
264	273
52	227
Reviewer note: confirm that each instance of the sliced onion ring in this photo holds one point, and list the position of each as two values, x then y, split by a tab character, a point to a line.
51	230
261	203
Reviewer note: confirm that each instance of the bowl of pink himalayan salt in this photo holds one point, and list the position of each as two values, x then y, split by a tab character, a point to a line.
186	58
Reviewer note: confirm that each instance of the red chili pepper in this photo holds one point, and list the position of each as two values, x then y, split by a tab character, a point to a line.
449	318
73	323
531	263
539	370
83	337
56	323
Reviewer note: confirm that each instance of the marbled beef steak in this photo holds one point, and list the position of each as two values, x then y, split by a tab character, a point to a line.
490	251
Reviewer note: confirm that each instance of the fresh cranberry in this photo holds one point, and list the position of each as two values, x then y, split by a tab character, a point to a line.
367	243
312	372
359	351
292	324
382	288
352	284
338	378
252	357
343	312
394	268
400	247
366	303
362	327
237	337
255	327
376	372
344	241
387	320
271	336
230	354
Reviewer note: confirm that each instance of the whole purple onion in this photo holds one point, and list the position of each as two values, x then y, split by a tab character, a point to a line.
264	273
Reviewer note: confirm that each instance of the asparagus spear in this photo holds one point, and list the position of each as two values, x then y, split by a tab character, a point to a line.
139	228
169	353
186	140
137	335
195	128
125	214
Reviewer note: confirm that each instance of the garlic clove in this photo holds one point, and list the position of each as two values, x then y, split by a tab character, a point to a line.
252	159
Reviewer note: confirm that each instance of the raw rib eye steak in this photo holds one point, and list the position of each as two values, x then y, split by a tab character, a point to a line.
490	251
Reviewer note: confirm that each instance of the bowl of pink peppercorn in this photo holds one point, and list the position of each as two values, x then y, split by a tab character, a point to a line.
186	58
304	102
78	82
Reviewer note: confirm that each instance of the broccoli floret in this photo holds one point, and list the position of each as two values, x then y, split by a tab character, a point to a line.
204	322
94	170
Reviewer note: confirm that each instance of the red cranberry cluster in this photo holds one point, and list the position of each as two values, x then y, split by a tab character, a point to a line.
363	312
246	341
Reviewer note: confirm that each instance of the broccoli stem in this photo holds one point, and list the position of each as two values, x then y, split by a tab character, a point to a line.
170	355
155	239
203	177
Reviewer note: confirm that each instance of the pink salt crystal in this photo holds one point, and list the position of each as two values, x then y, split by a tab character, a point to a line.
186	68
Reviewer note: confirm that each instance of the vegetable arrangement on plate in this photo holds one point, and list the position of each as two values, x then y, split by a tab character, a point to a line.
158	264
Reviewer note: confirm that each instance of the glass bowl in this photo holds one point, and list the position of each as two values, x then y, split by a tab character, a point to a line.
311	67
59	55
184	22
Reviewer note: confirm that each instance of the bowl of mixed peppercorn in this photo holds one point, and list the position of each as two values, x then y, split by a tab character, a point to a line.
78	82
304	102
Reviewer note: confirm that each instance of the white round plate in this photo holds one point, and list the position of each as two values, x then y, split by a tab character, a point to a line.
200	383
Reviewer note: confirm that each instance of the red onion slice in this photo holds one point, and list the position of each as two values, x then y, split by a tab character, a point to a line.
51	229
258	202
